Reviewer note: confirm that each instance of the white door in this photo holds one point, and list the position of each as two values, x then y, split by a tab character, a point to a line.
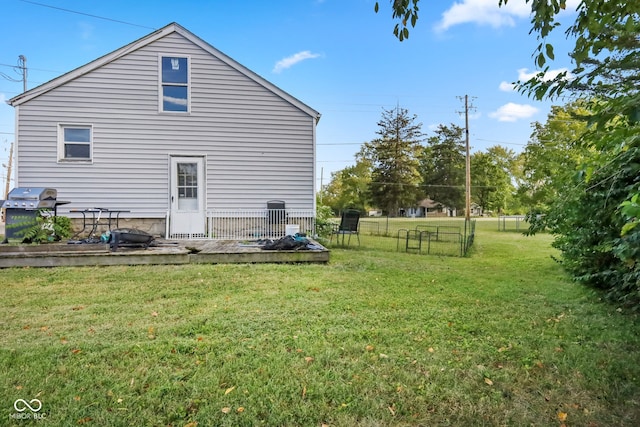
187	218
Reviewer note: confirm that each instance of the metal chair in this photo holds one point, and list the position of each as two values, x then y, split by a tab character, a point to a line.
348	226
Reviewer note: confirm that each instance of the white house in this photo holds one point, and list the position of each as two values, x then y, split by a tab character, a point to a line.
430	208
166	126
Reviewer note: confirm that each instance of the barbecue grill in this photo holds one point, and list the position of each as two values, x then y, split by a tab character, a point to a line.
23	205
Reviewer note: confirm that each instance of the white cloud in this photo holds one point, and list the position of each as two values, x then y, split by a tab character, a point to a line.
524	74
512	112
290	61
484	12
507	87
487	12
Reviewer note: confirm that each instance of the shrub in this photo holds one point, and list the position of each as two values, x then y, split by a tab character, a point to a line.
43	228
324	214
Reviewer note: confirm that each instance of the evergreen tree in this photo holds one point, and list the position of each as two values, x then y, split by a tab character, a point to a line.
394	159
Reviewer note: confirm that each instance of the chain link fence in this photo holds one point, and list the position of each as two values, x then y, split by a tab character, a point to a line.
512	223
438	236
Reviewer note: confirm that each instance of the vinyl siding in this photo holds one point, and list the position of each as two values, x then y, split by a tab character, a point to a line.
257	145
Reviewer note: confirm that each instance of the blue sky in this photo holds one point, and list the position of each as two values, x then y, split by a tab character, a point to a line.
337	56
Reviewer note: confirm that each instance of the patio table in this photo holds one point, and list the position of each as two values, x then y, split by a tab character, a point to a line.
93	218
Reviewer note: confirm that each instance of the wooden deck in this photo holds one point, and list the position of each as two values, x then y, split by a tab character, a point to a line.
165	252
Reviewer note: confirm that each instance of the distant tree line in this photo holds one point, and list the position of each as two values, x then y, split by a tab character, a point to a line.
401	167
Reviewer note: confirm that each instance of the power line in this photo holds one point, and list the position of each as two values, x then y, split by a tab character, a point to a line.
461	186
33	69
501	142
87	14
341	143
20	69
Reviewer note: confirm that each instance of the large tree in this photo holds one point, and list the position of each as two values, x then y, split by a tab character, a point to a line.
553	155
442	166
349	188
394	161
491	183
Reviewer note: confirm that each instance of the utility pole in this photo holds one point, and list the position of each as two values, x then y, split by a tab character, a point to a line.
468	159
22	63
21	68
7	183
468	164
321	173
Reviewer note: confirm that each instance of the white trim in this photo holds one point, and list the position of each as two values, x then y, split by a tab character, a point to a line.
315	166
16	139
62	142
194	220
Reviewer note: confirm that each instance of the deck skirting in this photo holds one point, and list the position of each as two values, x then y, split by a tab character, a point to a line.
184	252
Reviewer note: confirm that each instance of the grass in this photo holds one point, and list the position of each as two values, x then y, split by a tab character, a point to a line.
374	338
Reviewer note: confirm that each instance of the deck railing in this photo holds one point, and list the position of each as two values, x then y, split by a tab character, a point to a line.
240	224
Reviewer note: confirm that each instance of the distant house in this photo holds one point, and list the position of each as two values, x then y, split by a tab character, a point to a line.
430	208
476	210
166	127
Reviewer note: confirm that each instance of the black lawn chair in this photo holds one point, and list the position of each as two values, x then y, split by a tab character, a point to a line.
348	226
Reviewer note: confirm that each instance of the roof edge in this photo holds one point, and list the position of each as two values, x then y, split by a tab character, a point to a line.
90	66
246	71
144	41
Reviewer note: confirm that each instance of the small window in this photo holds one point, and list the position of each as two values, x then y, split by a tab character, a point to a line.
174	84
75	142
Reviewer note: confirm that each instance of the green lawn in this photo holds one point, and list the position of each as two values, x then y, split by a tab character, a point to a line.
374	338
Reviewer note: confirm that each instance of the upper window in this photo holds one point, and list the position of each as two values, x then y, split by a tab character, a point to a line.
174	83
75	142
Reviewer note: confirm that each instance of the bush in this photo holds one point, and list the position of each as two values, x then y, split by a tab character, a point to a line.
324	226
43	228
587	221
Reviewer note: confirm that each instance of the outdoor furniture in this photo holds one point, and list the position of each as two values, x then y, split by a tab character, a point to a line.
96	217
348	226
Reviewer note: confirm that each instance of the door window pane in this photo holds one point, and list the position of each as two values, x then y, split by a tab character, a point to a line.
187	186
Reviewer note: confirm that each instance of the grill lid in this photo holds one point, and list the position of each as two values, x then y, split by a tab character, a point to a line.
32	193
31	198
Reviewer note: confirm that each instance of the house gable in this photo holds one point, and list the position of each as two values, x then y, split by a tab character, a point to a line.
257	141
146	40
